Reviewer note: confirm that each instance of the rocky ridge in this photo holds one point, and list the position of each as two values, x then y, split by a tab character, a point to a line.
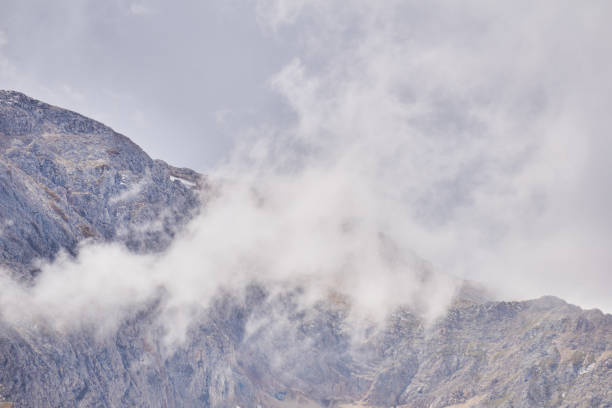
65	179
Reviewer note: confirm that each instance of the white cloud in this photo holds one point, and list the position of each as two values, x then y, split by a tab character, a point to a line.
467	137
479	121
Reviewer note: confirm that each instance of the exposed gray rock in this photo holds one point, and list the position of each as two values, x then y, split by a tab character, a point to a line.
65	178
541	353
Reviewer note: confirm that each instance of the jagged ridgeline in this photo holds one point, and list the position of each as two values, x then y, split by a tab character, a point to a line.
65	178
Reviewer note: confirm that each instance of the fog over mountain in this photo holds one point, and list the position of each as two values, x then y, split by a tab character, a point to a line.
123	285
378	190
486	126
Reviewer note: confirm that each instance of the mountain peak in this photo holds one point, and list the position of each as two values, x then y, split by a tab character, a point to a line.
65	178
22	115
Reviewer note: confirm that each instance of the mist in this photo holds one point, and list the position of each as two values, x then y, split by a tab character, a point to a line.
417	146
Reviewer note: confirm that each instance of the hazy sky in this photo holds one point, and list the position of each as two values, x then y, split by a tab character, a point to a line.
173	76
475	133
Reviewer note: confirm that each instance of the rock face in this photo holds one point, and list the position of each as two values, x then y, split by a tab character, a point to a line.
65	178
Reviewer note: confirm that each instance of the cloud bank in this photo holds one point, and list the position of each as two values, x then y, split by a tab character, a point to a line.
425	144
485	123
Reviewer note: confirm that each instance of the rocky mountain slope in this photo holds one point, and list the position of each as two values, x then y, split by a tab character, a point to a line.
65	178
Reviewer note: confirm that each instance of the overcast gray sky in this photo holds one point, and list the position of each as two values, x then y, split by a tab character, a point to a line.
476	133
173	76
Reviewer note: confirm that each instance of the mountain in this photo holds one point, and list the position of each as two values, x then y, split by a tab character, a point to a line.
66	180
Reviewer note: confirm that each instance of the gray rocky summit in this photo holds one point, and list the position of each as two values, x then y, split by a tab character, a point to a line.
65	179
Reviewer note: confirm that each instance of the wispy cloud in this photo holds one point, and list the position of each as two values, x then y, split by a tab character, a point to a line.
428	142
479	121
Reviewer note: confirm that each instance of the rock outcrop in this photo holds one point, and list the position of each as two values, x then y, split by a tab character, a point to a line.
65	178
